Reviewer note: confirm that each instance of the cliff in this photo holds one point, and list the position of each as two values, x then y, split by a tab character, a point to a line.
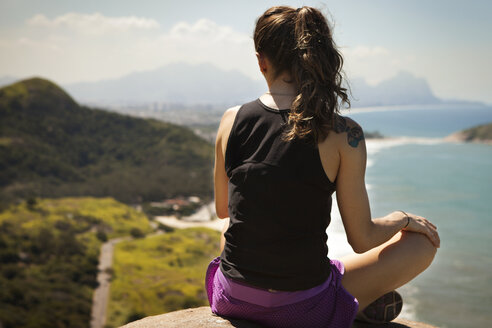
479	133
202	317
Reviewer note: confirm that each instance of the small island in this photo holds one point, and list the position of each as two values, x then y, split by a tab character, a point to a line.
478	134
373	135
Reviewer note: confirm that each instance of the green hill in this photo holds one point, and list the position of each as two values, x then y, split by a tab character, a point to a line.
49	251
478	133
51	147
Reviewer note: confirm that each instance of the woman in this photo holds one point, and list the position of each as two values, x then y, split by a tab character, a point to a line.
278	161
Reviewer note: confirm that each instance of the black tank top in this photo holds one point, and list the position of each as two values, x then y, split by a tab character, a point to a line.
279	204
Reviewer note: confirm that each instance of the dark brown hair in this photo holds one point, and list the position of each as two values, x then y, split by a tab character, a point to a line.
299	41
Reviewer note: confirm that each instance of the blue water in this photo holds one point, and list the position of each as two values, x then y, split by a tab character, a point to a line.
451	185
430	121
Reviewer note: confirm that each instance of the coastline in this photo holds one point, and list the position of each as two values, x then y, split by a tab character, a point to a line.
200	218
461	137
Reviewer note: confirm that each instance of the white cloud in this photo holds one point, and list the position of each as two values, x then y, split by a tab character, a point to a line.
202	41
80	47
206	30
374	63
95	23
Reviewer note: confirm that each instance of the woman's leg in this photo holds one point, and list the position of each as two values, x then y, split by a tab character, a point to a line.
384	268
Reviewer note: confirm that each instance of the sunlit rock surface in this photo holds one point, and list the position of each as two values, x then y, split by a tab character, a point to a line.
202	317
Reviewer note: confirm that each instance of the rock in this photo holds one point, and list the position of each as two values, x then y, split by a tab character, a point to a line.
202	317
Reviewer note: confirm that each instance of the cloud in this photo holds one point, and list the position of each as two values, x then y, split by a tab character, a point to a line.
95	23
201	41
374	63
206	30
86	47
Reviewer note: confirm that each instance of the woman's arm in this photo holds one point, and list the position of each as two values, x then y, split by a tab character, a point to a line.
364	233
220	177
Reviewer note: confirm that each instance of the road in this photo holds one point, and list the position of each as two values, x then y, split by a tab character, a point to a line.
101	294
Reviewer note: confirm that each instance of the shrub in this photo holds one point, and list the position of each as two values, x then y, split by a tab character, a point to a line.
137	233
101	235
135	316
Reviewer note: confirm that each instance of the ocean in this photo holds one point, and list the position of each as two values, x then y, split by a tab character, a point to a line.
450	184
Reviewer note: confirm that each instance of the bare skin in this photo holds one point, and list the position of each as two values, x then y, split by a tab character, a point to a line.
388	254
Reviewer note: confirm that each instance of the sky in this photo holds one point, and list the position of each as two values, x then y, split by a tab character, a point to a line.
446	42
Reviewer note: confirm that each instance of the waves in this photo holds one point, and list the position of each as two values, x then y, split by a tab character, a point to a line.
376	145
337	240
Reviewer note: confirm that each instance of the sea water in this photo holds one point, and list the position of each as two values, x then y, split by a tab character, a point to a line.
450	184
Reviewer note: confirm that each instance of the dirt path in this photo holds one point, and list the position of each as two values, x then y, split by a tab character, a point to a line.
101	294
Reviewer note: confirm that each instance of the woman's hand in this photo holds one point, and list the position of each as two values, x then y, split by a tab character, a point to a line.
422	225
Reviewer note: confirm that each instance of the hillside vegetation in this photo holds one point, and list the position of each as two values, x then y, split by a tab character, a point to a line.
478	133
51	147
160	273
49	252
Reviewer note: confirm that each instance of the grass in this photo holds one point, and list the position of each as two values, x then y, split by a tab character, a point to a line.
160	273
49	250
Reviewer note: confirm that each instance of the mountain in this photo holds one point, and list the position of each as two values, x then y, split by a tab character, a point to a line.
50	146
196	86
206	84
402	89
480	133
176	83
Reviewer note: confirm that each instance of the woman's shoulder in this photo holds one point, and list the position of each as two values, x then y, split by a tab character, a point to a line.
225	126
348	128
344	141
247	112
228	118
230	113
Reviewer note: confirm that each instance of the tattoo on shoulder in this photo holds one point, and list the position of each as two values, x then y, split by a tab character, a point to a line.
354	133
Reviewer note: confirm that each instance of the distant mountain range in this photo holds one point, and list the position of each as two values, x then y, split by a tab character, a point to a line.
175	83
187	84
50	146
402	89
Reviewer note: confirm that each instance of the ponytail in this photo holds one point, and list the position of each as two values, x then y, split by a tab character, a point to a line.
300	42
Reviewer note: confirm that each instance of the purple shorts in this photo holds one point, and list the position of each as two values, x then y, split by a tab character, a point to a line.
326	305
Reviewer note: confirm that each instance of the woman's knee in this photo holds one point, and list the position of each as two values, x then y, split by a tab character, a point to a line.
421	247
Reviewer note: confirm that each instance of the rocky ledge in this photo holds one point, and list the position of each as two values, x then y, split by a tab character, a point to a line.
202	317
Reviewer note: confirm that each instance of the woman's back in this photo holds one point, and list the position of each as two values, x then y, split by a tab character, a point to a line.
275	172
279	204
